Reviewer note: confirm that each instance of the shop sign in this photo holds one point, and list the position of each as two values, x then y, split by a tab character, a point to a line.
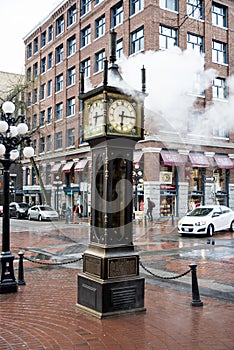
165	177
168	187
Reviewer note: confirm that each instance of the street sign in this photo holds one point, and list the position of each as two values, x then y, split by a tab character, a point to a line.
210	178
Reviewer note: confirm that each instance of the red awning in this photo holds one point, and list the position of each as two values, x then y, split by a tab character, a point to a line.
137	157
55	168
67	167
224	162
81	165
199	160
171	158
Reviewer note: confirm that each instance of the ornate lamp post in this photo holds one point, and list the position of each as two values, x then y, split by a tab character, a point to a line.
138	179
12	134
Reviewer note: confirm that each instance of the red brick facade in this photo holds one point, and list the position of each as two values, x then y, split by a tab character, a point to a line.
150	18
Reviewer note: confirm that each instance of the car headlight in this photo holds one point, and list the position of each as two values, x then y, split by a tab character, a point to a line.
200	223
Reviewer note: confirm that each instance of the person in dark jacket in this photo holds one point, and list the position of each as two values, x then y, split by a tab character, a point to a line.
150	209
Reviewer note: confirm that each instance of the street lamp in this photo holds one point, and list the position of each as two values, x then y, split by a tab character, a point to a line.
12	135
138	178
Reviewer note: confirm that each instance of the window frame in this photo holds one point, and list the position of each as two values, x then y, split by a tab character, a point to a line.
117	13
136	43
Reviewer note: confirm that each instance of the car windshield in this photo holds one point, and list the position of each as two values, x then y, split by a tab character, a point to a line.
23	205
200	212
46	208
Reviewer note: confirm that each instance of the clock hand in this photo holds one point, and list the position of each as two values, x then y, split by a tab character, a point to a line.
122	116
96	116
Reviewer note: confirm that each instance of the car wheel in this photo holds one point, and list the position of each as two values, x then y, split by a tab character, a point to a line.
210	230
17	215
232	226
39	218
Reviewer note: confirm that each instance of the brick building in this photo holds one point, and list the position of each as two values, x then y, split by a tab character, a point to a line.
180	166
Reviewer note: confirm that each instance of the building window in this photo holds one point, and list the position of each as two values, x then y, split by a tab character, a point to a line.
71	106
100	26
35	95
42	118
219	52
35	45
70	137
49	115
99	61
29	50
119	49
219	89
43	65
43	39
59	83
49	88
58	111
117	14
48	143
42	91
50	60
29	72
137	41
29	99
195	42
35	70
58	141
85	6
167	37
136	6
169	4
60	25
195	9
71	46
85	65
50	33
219	15
59	54
71	76
86	36
98	2
220	132
71	15
34	121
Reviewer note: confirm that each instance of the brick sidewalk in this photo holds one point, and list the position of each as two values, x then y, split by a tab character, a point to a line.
43	316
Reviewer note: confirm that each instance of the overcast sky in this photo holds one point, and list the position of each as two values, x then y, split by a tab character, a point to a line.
17	19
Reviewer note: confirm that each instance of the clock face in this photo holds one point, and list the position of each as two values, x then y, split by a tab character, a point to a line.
94	124
122	116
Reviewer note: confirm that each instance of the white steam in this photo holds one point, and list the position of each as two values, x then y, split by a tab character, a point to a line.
174	79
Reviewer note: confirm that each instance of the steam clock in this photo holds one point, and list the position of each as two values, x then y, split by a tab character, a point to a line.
112	124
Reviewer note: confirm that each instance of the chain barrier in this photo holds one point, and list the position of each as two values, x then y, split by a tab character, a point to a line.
55	263
161	277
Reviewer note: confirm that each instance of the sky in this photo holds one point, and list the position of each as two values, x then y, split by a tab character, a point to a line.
17	19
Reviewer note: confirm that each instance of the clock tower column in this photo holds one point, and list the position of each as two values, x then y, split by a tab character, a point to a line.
110	284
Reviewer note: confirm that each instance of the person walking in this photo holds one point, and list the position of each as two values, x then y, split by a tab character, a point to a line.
151	205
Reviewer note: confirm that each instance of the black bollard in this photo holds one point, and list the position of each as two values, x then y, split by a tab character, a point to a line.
172	220
145	219
21	280
195	291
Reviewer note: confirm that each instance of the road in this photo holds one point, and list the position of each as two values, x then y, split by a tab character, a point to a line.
162	251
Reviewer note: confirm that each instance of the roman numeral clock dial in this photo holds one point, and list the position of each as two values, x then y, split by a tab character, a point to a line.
122	117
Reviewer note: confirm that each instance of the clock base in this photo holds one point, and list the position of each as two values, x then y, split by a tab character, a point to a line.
104	299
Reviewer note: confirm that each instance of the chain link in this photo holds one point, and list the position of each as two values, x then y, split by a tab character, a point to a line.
56	263
161	277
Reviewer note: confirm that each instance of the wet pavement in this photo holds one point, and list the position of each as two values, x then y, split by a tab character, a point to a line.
43	314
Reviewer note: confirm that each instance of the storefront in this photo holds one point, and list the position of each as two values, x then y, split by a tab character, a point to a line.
222	179
169	162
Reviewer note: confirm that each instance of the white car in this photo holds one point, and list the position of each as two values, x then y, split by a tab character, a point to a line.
42	212
207	219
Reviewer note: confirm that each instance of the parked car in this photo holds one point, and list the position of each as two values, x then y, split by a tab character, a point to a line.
1	210
207	219
42	212
18	210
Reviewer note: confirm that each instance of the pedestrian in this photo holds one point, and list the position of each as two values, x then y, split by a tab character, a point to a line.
75	214
141	206
151	205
